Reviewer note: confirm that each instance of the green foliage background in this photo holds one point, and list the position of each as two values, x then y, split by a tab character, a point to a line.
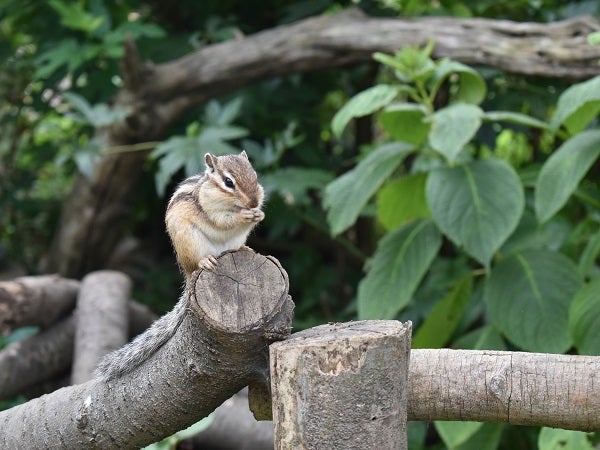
463	199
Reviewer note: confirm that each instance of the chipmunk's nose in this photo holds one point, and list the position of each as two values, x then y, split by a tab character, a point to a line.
253	201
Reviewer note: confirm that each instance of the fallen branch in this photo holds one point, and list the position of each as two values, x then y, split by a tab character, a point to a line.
101	324
30	361
35	301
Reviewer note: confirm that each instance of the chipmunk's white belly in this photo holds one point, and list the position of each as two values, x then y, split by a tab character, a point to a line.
219	241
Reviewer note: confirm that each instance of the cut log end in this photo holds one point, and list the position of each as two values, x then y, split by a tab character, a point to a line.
245	292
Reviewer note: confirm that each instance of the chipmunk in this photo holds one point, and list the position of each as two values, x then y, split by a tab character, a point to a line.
207	214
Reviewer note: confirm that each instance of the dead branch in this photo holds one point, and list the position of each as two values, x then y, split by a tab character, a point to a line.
101	320
30	361
35	301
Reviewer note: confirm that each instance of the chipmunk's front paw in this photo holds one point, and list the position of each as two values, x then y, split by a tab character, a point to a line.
208	263
252	215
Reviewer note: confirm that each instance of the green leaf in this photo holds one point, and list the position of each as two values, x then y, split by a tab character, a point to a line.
453	127
440	324
293	183
209	134
87	157
513	117
402	200
477	205
173	154
577	106
59	54
400	262
72	15
530	234
470	435
557	439
528	297
483	338
456	433
584	319
563	171
404	122
221	115
362	104
587	260
471	88
99	115
346	196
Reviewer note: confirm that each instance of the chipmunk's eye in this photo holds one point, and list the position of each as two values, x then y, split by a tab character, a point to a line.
228	182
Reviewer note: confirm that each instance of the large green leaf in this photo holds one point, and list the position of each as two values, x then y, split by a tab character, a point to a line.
346	196
400	262
483	338
362	104
470	435
557	439
563	171
456	433
402	200
453	127
440	324
577	106
584	319
404	122
528	297
471	86
477	205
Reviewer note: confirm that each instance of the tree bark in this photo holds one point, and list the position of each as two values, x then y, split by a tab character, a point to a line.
233	315
35	301
536	389
101	320
158	95
342	386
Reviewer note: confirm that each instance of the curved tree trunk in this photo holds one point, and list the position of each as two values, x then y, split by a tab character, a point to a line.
158	95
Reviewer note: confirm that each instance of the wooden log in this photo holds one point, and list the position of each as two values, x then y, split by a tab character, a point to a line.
35	301
519	388
37	358
101	321
342	386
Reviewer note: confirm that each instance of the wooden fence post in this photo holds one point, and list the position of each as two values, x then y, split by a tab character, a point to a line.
342	386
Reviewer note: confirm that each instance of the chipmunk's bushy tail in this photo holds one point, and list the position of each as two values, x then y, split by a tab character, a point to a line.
132	355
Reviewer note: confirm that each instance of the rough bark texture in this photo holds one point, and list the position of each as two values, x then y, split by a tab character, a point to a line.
101	320
33	360
342	386
35	301
560	391
158	95
220	347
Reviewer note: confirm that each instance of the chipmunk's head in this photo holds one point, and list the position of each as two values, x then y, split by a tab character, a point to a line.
234	176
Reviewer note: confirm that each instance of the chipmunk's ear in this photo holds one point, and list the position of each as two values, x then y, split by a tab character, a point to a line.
243	154
209	159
